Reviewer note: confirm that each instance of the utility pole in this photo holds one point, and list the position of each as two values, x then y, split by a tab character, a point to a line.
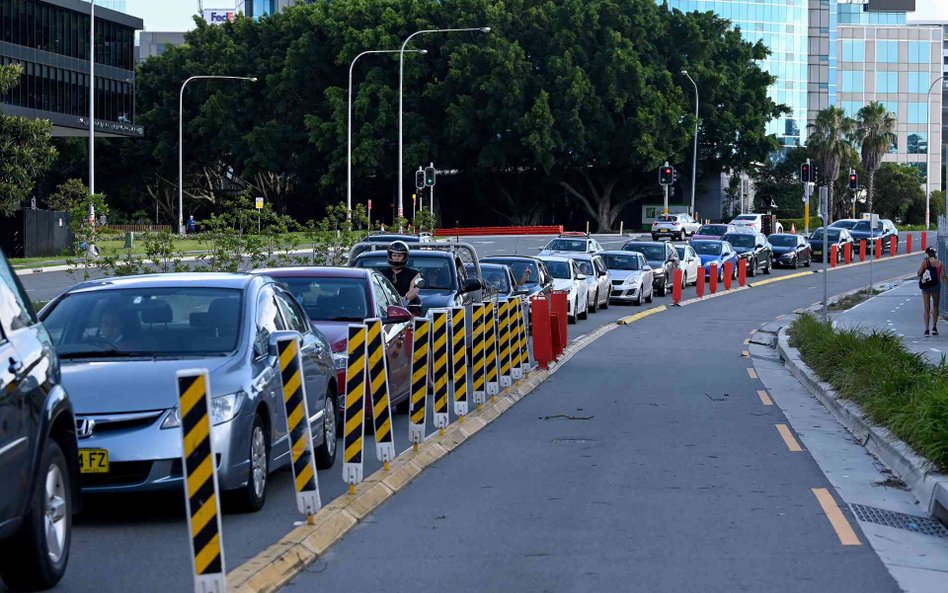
824	207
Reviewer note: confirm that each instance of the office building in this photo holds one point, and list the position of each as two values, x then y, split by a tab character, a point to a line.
259	8
50	41
943	25
154	43
116	5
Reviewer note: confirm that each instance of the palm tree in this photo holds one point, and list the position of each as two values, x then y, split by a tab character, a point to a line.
829	140
875	133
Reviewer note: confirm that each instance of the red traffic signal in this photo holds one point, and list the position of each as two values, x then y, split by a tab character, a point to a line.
666	175
805	173
853	182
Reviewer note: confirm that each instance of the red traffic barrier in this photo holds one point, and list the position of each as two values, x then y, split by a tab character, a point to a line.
699	284
728	273
742	272
877	248
560	307
908	243
714	278
542	331
848	253
556	338
499	230
862	250
924	240
676	289
893	245
834	255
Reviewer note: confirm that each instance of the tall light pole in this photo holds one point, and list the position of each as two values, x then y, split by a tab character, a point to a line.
349	138
91	105
401	84
181	138
694	159
928	152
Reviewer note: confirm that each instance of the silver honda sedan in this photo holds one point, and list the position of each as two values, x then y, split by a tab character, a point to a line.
121	340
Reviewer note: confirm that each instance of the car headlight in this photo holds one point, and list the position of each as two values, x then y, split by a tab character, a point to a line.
630	280
340	360
223	409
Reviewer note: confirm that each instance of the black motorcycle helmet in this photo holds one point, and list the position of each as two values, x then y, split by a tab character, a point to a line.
398	247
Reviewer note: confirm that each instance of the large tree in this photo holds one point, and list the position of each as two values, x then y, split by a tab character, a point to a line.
829	140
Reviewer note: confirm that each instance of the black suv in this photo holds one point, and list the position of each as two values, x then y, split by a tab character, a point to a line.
753	247
39	458
662	257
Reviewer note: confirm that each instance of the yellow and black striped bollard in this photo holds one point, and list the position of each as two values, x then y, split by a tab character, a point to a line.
490	350
478	367
200	483
418	410
439	351
505	325
515	337
354	425
303	461
378	387
459	358
522	307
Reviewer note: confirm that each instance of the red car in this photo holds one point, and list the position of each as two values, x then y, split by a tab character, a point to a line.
335	297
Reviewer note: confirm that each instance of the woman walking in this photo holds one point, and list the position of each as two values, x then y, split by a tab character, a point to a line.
930	276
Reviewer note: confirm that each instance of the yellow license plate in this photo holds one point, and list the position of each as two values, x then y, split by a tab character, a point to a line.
94	461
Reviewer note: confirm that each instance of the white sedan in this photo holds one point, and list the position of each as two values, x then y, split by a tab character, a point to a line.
597	280
632	278
689	263
566	276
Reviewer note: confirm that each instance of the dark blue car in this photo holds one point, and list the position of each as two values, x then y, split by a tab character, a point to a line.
716	252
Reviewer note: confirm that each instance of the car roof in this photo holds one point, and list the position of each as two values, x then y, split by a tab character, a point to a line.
707	241
645	243
170	280
411	253
619	252
313	272
558	258
510	257
785	235
388	237
743	231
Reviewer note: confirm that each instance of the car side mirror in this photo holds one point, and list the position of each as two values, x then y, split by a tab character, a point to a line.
396	314
580	276
471	284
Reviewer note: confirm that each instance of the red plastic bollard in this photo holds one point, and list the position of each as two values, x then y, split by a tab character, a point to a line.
542	331
848	253
862	250
728	273
834	255
561	309
893	245
924	240
714	278
908	243
555	343
676	289
699	284
742	272
877	248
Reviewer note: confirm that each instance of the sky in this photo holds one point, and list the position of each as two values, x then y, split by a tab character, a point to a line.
175	15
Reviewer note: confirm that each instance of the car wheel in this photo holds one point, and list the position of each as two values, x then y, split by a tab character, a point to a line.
595	306
250	497
651	293
638	300
571	319
585	312
605	303
770	265
752	268
681	236
326	453
664	290
35	557
808	261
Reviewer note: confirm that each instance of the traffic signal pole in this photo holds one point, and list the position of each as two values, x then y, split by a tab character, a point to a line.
665	187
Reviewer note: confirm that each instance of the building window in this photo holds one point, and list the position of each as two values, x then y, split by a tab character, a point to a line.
853	81
887	52
917	112
894	146
851	108
887	82
919	52
922	169
918	143
892	107
854	50
919	82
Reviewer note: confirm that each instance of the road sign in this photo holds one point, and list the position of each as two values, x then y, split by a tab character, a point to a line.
258	203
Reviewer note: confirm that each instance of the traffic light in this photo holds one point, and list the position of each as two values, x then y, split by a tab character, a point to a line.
666	175
805	173
853	182
419	178
430	176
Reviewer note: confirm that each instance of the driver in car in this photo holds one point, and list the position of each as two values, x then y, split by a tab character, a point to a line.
405	280
116	327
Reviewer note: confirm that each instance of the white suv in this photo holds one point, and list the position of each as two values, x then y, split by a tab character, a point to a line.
571	243
755	222
674	226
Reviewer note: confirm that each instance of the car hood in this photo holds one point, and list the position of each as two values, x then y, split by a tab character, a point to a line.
709	259
436	299
562	284
783	250
740	250
336	333
131	385
623	274
706	237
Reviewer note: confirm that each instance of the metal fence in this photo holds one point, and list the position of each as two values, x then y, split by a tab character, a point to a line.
35	233
942	247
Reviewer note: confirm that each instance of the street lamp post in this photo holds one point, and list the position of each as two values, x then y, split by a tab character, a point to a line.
349	137
928	152
181	138
91	105
401	84
694	159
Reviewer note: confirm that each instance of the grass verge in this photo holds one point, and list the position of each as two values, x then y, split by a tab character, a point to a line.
897	388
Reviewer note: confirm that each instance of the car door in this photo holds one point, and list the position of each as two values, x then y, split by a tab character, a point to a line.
398	339
313	352
671	262
602	276
265	366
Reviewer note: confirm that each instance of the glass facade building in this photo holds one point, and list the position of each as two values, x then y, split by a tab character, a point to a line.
258	8
50	42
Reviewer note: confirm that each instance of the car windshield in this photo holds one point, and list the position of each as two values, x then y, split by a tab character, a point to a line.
783	240
586	267
847	224
559	269
519	269
330	299
712	230
651	252
707	248
567	245
622	262
435	271
116	322
863	226
740	239
496	278
831	234
746	217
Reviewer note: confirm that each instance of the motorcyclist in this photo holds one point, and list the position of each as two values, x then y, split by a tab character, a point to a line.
406	280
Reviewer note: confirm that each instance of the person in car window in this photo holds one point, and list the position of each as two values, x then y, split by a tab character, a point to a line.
405	280
117	327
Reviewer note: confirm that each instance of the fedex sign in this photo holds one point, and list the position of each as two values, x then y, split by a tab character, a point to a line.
216	16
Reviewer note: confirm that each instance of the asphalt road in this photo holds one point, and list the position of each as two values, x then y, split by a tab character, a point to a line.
137	543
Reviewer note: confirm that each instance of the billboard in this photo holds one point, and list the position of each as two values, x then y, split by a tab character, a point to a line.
217	16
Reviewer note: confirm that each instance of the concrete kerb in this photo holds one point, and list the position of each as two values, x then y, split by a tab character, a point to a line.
928	486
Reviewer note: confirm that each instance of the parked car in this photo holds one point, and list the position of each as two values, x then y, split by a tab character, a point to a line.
753	221
529	272
835	236
566	276
754	248
674	226
121	340
571	243
662	258
39	455
631	276
597	277
713	232
791	250
332	298
718	253
689	262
